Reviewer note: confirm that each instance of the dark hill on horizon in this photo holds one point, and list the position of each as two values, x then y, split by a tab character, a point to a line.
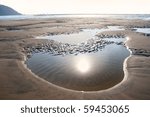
5	10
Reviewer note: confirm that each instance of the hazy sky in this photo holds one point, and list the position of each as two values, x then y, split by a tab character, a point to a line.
79	6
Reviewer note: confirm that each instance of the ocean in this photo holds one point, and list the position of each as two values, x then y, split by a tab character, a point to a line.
118	16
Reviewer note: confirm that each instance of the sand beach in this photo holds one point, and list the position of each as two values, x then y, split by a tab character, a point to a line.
18	37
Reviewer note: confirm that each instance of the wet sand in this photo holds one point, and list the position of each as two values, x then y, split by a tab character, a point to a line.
17	81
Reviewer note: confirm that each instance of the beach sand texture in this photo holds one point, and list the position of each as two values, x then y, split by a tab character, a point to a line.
18	82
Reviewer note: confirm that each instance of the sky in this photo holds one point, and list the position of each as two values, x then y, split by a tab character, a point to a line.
79	6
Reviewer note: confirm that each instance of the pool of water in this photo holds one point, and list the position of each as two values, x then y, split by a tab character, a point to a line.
84	72
82	36
143	30
87	71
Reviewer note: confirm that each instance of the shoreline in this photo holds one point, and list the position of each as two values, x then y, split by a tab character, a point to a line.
23	84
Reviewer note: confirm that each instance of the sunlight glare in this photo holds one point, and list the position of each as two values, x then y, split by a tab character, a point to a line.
83	65
127	38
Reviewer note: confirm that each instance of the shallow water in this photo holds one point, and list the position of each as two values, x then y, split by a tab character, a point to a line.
143	30
82	36
85	72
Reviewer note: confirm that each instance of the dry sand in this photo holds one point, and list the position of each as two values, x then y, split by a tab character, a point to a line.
17	81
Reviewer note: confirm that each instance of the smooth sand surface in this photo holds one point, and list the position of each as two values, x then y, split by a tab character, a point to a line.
17	81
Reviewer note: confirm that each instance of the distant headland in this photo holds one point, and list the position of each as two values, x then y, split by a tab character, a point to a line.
5	10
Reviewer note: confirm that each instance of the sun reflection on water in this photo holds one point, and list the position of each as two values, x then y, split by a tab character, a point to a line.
127	38
83	64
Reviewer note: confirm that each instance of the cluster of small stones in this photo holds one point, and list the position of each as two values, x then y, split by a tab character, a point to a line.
58	48
146	34
141	52
102	36
147	26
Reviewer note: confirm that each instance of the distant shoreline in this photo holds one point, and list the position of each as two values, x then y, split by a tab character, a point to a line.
47	16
